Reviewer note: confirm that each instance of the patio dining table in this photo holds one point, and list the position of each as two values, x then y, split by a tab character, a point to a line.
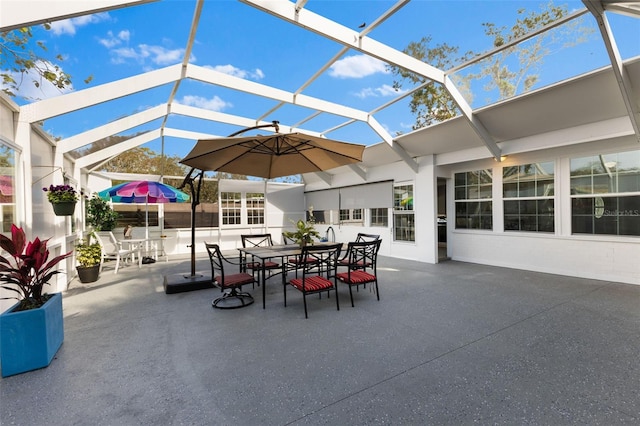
272	253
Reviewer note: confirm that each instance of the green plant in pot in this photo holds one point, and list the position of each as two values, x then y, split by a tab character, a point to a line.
31	331
100	215
88	257
304	233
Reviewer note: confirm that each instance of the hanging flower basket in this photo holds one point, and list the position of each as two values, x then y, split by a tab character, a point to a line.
64	209
63	198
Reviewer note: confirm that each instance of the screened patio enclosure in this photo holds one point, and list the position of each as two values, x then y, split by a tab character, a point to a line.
514	169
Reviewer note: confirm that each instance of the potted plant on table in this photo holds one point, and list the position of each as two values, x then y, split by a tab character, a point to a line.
31	331
88	257
304	232
63	198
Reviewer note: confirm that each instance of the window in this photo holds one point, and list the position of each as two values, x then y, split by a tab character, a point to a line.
344	215
528	190
605	194
379	217
7	187
357	214
230	206
318	216
403	217
255	208
473	199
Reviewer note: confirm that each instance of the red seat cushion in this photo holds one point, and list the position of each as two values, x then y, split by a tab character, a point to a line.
314	283
356	277
234	280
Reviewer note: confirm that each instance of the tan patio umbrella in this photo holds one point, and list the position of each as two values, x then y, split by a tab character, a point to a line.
272	156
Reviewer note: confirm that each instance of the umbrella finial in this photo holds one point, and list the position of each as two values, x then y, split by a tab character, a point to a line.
276	125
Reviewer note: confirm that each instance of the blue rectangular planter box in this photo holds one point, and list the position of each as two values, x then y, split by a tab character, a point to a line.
30	339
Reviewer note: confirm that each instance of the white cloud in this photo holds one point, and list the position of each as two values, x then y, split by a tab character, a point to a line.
121	55
124	35
213	104
382	91
69	26
112	40
158	55
357	67
229	69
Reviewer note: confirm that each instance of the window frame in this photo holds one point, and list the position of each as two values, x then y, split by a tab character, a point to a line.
404	224
528	199
473	196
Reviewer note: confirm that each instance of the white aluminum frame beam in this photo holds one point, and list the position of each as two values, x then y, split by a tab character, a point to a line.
347	37
224	80
622	78
16	14
63	104
110	129
116	149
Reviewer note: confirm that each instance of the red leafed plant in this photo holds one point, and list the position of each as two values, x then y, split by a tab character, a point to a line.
29	270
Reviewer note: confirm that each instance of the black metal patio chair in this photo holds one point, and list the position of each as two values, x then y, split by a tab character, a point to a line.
230	284
319	275
361	263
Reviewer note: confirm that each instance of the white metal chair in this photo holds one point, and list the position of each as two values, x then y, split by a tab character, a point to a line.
112	250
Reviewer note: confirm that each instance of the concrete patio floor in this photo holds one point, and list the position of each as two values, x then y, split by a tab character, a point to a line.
447	344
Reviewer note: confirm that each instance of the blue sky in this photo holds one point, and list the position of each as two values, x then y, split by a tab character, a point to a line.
237	39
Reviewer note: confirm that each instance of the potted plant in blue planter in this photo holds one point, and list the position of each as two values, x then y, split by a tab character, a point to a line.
63	198
31	331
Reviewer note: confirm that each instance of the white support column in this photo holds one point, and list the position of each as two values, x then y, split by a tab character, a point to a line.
23	139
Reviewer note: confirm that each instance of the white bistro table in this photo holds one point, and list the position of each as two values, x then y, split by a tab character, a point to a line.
152	246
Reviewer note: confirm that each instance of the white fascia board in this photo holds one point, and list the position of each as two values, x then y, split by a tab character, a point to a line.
220	79
116	149
25	13
110	129
74	101
592	132
346	36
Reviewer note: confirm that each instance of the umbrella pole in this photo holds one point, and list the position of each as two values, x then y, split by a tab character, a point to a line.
195	200
195	194
176	285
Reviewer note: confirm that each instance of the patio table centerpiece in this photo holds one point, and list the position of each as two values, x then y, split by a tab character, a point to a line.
304	232
63	198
